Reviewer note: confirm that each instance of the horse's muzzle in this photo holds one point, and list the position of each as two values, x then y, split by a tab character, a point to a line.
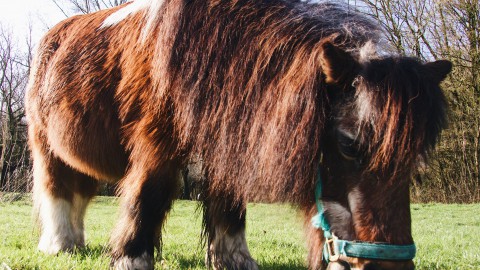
363	264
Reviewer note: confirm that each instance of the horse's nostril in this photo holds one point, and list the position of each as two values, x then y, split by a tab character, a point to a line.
383	265
371	266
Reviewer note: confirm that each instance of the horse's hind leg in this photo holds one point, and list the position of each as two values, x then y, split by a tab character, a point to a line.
224	224
84	190
61	196
147	198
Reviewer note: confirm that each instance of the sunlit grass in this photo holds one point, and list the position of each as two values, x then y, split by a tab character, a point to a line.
446	237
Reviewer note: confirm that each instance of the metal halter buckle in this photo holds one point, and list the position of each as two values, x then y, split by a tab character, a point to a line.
332	248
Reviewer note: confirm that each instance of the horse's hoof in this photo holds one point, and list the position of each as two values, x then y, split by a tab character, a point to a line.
236	261
79	240
144	262
54	245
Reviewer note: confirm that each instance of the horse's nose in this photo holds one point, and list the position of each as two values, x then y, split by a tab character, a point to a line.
386	265
362	264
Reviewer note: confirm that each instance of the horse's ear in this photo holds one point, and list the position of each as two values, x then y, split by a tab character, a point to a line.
439	69
338	66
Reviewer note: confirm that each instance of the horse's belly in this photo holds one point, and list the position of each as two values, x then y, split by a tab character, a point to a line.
89	143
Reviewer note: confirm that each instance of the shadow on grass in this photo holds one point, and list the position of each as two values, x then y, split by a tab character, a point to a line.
95	251
184	262
195	262
276	266
190	262
435	266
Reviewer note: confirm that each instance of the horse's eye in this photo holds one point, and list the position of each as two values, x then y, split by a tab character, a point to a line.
348	147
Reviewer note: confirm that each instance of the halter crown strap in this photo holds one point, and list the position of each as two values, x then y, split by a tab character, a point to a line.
335	247
320	221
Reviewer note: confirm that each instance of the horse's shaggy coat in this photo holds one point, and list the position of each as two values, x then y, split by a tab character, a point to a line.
260	90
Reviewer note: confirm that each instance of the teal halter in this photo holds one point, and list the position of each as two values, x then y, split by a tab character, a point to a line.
334	247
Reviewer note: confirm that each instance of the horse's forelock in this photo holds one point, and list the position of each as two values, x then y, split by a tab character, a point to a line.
400	114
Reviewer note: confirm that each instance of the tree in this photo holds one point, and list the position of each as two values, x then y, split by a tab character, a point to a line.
441	29
457	37
14	69
85	6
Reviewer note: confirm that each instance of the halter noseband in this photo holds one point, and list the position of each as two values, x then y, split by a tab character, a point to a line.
334	247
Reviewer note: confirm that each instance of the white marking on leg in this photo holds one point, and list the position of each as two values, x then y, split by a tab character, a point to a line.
53	213
57	229
79	208
144	262
230	250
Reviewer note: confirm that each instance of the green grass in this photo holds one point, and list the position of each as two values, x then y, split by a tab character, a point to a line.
447	237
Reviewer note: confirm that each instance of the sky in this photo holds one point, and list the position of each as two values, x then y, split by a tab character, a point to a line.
17	15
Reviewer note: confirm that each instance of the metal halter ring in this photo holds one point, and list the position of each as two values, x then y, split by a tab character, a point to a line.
332	248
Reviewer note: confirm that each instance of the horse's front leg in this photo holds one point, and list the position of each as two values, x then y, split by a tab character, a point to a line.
315	240
147	198
224	228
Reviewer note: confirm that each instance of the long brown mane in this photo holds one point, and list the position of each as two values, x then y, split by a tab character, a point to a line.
251	99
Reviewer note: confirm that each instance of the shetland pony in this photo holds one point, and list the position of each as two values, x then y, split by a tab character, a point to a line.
269	94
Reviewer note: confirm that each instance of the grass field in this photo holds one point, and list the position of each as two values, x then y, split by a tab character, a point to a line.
447	237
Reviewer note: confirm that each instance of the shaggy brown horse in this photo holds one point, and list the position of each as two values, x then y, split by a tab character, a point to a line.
269	94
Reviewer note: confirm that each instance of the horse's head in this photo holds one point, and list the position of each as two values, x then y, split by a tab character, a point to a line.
385	117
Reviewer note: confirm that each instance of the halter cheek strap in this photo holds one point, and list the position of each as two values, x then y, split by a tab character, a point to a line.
334	247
